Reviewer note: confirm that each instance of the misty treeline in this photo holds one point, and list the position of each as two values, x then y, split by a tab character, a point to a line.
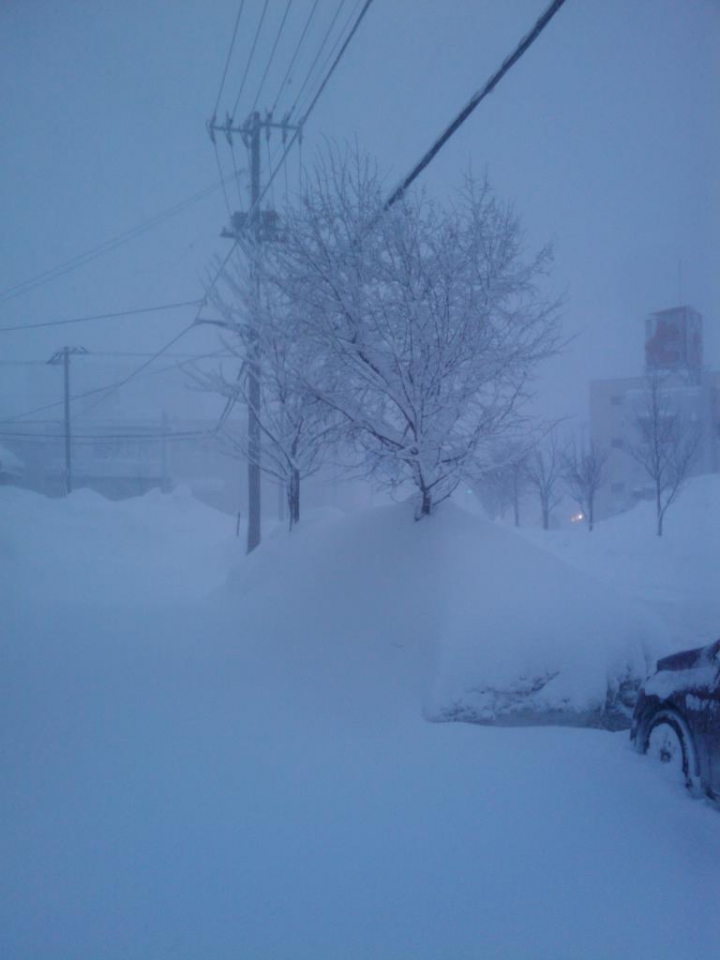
547	467
400	344
664	443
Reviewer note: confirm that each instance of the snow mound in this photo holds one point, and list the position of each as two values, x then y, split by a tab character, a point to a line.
491	628
87	547
454	616
674	575
10	463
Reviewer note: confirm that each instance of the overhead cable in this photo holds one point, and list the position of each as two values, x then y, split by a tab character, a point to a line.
107	245
331	53
101	316
229	55
272	55
317	55
107	389
506	65
201	303
295	55
99	439
298	131
250	58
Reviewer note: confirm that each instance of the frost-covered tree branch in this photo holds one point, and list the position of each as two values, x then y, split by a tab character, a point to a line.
426	324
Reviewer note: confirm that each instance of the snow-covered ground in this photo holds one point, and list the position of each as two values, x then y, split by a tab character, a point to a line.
210	756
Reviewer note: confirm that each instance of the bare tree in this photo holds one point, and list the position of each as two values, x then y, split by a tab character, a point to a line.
294	427
503	485
666	446
544	473
429	322
583	470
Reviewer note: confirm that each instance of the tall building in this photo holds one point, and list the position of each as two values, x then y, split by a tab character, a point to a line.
673	350
673	342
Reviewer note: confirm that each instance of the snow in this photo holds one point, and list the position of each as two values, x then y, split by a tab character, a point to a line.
676	573
207	755
9	462
667	682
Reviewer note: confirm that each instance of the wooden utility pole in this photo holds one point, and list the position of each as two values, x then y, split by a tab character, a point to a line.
256	227
63	357
253	367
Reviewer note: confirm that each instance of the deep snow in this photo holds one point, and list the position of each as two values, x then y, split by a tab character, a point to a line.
195	768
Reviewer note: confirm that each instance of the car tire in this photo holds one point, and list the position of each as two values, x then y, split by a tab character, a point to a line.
668	741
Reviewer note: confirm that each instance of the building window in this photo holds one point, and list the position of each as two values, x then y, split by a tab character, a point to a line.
616	400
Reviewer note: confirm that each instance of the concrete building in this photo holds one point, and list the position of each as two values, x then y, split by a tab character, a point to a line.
674	351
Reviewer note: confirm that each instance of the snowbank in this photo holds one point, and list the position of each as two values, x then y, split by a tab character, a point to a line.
150	548
200	768
483	623
492	628
10	463
675	575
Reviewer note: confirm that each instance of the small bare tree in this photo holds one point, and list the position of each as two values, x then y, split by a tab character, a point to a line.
503	485
544	473
294	427
583	470
667	446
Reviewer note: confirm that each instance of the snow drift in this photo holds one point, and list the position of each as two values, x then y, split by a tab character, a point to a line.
203	766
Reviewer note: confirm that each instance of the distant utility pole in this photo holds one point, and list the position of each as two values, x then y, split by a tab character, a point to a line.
63	357
256	227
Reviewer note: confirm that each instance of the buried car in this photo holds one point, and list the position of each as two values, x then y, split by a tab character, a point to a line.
677	718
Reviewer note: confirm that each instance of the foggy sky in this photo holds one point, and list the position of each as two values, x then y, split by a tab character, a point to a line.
605	137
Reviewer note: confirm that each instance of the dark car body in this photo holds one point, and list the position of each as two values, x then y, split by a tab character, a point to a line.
682	699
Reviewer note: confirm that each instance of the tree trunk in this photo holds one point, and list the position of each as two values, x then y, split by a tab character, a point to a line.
426	504
293	497
296	497
545	517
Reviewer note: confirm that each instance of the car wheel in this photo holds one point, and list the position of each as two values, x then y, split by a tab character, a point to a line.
667	743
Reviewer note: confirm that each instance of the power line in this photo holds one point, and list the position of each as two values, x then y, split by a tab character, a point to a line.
295	55
125	380
232	400
272	54
506	65
222	177
201	303
298	131
106	389
250	58
107	245
229	55
317	55
334	47
92	439
123	354
186	358
101	316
